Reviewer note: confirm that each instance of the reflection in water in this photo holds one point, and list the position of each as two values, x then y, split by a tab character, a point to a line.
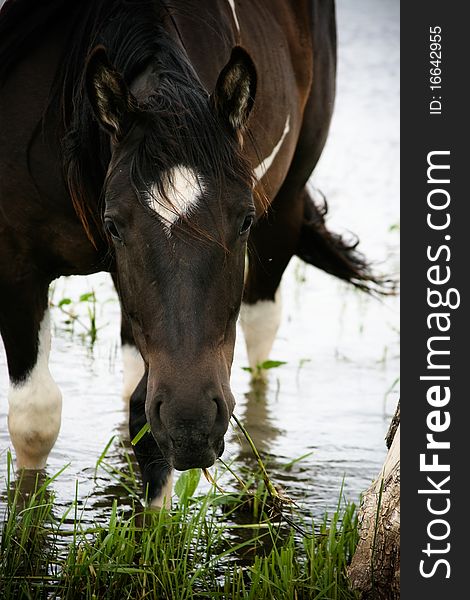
27	524
22	485
257	420
116	475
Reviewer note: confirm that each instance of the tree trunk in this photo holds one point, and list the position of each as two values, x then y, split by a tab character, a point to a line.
375	567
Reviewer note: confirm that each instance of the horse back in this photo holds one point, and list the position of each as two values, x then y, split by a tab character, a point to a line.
289	41
37	219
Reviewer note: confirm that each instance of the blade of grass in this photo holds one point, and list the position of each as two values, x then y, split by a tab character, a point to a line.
145	429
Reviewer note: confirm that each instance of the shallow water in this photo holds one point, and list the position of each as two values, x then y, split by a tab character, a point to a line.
333	399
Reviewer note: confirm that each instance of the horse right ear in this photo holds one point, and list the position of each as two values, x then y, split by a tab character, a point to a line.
112	102
235	90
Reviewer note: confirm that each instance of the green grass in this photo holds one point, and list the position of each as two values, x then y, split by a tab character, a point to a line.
81	312
220	545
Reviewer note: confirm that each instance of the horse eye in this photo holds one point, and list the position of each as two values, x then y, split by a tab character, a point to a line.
112	229
247	223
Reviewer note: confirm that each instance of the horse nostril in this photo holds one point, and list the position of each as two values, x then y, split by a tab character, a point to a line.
220	448
219	403
222	416
158	409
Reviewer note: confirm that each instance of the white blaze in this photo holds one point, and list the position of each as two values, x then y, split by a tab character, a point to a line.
182	191
264	167
35	408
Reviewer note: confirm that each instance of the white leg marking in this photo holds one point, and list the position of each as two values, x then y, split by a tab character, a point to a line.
133	368
182	190
260	323
264	167
234	12
163	500
35	408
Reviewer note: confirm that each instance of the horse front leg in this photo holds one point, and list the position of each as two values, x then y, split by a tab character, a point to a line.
35	401
273	242
157	475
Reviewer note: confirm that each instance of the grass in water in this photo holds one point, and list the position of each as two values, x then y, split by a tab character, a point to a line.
219	545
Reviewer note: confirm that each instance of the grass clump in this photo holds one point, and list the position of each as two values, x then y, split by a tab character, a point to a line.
219	545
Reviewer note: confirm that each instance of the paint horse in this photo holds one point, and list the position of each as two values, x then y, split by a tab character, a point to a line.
156	141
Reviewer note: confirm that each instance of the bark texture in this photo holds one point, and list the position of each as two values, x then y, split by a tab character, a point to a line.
375	568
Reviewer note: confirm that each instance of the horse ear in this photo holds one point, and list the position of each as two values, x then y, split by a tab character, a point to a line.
235	90
112	102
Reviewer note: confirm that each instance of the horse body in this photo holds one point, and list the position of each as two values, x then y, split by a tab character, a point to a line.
128	141
35	202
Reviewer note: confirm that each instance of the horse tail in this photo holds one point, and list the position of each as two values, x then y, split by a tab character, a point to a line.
332	253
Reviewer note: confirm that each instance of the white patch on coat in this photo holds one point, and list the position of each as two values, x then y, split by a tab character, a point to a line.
234	12
133	369
163	500
264	167
260	322
35	408
182	192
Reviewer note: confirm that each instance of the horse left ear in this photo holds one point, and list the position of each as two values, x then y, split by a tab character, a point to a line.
235	90
112	102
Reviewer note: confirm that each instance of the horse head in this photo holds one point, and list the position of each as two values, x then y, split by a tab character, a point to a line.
178	207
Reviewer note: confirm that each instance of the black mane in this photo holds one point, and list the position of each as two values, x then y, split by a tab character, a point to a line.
181	130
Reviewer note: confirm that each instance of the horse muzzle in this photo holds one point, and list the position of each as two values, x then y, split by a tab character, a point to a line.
189	427
189	452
